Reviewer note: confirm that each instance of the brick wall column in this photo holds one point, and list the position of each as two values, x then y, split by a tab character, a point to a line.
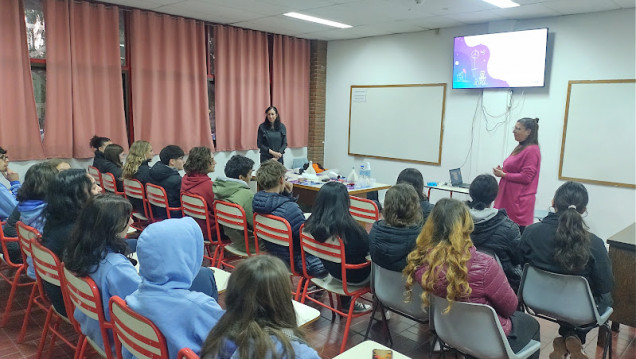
317	89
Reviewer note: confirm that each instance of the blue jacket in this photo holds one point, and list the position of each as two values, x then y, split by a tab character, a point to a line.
31	213
170	255
282	206
7	199
115	275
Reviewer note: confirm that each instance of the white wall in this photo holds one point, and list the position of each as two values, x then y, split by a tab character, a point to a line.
580	47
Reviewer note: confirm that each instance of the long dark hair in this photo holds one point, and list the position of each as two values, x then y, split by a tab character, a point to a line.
531	124
413	177
97	231
330	215
96	141
258	300
483	191
572	240
67	194
112	152
276	122
36	182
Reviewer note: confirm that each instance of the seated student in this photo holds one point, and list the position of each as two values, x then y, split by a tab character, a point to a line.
276	199
99	145
113	155
260	321
165	173
494	231
561	243
167	269
414	177
30	209
391	239
330	218
67	194
200	162
7	195
234	188
59	164
446	264
136	167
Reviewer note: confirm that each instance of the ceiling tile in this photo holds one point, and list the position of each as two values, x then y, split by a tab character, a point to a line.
527	11
580	6
283	25
477	17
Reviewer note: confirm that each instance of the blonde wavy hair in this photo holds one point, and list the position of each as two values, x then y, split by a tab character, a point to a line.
444	243
135	158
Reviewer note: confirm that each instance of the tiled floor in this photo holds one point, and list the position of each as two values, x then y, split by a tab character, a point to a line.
409	338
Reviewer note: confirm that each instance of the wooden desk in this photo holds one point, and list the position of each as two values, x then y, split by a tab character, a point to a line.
307	192
364	350
305	314
622	253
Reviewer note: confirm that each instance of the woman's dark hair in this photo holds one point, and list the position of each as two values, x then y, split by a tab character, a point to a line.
572	240
97	141
330	215
276	122
199	161
413	177
259	306
483	191
97	232
402	206
67	194
531	124
36	182
112	152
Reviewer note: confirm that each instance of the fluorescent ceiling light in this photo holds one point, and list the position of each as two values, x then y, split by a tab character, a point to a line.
502	3
317	20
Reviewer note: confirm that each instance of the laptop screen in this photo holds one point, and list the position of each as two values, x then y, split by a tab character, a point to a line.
456	177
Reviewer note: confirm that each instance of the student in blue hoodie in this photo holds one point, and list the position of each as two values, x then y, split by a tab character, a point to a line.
30	209
183	316
7	195
276	199
260	321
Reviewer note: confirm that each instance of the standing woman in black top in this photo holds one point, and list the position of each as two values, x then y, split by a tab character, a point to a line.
272	136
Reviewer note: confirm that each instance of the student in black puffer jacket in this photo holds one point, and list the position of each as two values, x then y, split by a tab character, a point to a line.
393	238
165	173
494	231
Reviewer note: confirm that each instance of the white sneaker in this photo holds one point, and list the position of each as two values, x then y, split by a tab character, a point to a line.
378	315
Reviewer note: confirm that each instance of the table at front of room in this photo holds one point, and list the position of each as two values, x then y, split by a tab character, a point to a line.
443	187
307	192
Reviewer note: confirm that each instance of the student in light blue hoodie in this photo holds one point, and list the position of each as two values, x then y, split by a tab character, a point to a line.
30	209
170	253
260	321
7	195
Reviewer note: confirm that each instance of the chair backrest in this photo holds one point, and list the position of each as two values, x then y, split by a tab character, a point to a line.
94	172
276	230
134	189
85	296
388	287
233	216
471	328
5	251
135	332
490	253
156	196
363	210
25	235
563	297
110	184
195	206
187	353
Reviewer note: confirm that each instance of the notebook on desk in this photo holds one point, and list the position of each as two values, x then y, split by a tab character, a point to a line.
456	178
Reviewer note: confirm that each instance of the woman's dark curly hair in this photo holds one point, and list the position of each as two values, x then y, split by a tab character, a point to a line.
67	194
199	161
36	182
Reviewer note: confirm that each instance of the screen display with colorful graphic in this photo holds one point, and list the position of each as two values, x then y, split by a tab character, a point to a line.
505	59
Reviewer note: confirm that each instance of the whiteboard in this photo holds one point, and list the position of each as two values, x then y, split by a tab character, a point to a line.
397	122
599	133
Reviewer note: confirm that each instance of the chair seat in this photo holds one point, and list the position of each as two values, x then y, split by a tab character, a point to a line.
529	349
140	216
334	285
232	249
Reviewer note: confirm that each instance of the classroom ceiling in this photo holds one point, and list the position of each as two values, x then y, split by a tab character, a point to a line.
368	17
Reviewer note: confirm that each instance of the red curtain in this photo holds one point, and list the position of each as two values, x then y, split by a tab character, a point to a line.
19	130
241	86
84	86
290	87
169	81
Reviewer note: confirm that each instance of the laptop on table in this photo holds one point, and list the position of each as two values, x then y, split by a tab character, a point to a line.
456	178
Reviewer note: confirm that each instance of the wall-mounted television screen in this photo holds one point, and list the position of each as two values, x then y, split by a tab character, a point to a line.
500	60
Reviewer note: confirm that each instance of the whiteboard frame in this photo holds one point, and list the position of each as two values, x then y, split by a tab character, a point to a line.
565	127
441	132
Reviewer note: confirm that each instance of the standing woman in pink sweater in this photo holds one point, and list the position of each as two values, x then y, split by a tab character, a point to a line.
520	174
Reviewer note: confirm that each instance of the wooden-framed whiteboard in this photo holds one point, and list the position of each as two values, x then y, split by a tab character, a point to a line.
599	133
397	122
